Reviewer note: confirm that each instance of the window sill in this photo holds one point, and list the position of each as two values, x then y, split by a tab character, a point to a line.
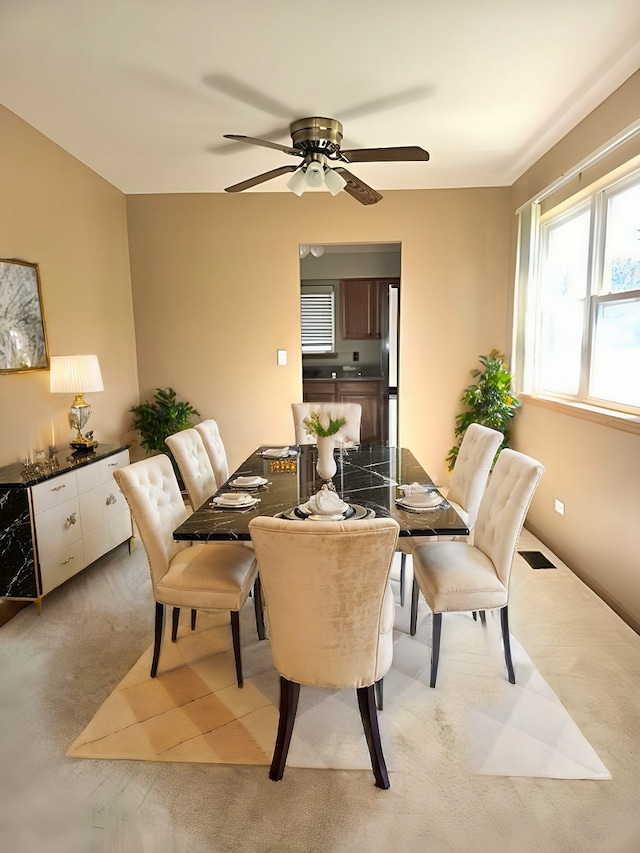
594	414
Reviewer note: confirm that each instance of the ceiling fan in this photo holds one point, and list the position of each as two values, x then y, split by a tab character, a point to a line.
317	141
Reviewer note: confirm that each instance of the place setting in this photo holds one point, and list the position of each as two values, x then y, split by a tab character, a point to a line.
278	452
249	483
327	505
234	501
420	498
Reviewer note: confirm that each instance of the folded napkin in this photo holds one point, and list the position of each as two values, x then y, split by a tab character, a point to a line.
277	452
415	489
326	502
248	481
422	500
234	498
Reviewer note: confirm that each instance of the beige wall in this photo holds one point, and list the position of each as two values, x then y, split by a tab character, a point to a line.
593	469
216	284
59	214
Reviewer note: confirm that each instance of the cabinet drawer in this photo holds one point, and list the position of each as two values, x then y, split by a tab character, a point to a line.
96	543
119	529
111	464
54	492
57	528
61	566
88	478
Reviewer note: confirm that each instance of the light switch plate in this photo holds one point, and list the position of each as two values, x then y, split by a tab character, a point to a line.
282	357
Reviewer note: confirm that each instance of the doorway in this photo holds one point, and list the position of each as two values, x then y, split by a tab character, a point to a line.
360	363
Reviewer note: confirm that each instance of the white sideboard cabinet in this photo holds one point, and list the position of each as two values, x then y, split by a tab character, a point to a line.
55	525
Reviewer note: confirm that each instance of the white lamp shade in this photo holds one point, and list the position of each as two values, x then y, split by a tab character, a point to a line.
334	181
317	251
315	174
297	183
75	374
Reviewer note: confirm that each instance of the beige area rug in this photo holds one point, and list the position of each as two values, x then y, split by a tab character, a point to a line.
194	712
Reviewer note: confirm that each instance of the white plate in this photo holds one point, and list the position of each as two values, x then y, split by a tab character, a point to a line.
420	500
249	482
238	499
275	452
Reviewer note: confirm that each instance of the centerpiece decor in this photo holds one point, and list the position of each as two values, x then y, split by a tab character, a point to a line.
326	464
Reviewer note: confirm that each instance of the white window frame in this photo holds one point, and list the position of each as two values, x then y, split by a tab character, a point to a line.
532	235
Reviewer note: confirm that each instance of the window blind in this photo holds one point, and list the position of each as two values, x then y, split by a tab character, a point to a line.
317	317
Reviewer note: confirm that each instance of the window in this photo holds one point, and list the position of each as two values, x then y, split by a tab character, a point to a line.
317	318
582	330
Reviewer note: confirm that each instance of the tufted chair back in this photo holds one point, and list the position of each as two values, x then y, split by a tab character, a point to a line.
210	435
194	464
349	432
152	492
504	507
469	479
326	588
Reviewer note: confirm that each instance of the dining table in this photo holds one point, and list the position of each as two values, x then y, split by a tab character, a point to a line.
282	479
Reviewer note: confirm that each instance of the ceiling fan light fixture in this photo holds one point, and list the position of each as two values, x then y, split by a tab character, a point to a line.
334	182
316	251
304	250
297	183
315	174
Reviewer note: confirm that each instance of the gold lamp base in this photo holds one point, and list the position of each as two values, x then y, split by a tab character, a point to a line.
78	416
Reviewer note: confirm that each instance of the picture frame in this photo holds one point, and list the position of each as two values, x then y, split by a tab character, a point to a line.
23	342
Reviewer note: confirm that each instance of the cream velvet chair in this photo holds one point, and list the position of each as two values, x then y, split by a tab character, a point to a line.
326	589
210	435
203	576
468	482
458	576
194	464
350	432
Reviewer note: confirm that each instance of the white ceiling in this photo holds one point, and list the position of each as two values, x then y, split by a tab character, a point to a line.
142	90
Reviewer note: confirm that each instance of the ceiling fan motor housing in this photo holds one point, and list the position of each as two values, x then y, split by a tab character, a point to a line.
317	134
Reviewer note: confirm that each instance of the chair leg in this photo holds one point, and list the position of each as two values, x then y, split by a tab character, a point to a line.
175	619
235	636
483	617
369	716
258	607
289	695
474	613
413	622
379	685
157	640
504	619
194	614
435	646
403	566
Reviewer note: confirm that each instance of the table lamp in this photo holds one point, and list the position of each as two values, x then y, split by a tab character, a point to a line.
77	374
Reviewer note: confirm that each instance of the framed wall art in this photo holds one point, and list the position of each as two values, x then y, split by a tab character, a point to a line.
23	343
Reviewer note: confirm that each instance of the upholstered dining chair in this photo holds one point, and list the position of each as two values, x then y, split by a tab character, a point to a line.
458	576
204	576
350	432
468	482
326	588
213	444
194	464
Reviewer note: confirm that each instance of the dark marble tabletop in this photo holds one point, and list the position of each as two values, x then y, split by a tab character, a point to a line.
368	476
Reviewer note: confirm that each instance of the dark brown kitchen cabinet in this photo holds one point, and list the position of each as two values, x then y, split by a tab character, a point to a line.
360	302
371	394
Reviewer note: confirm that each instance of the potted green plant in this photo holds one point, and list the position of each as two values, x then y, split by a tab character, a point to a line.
158	419
490	402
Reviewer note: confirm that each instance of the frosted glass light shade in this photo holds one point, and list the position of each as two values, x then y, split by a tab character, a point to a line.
75	374
334	181
297	183
315	174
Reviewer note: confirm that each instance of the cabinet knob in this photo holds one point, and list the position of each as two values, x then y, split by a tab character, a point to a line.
68	560
111	500
71	519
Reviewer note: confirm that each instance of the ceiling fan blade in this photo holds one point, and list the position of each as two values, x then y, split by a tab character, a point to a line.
382	155
259	179
265	143
358	189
